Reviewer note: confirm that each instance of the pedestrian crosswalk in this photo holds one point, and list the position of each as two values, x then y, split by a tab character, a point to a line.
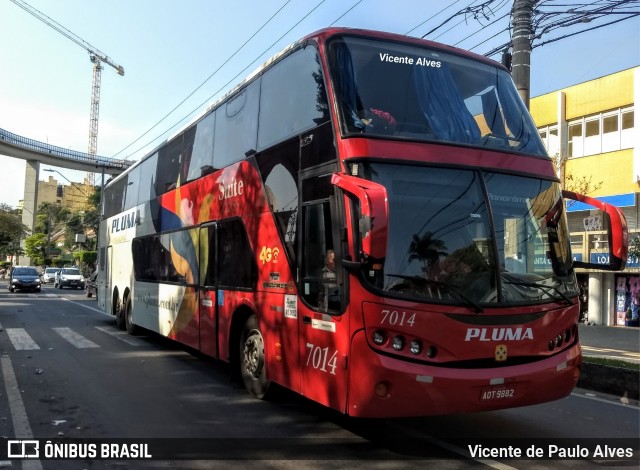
23	341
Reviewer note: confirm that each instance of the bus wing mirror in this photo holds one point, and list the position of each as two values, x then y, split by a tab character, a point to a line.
373	217
615	226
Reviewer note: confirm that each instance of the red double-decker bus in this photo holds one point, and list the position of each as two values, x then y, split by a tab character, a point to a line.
370	220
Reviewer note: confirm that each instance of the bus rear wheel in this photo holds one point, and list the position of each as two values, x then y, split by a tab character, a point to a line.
128	318
119	312
252	360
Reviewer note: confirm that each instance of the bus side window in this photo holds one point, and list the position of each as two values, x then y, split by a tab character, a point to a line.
237	267
320	286
279	169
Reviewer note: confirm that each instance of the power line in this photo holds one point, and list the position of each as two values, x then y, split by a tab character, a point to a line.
232	79
585	30
203	83
346	12
475	11
483	28
547	18
431	17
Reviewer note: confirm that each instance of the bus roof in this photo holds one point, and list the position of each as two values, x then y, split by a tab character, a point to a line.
320	36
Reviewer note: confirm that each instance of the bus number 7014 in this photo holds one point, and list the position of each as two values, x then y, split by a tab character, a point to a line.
319	358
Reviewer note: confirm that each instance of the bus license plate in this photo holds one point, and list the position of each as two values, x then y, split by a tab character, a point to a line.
498	393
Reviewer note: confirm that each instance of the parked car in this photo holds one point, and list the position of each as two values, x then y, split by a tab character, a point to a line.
92	285
49	275
23	278
69	277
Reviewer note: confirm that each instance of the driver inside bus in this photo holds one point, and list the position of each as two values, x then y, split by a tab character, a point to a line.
331	292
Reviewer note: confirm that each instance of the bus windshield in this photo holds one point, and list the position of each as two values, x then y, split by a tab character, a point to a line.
404	91
471	237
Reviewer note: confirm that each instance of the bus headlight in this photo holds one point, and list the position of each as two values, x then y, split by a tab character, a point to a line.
378	337
415	346
398	343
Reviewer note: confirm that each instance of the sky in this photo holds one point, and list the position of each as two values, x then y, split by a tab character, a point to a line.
179	56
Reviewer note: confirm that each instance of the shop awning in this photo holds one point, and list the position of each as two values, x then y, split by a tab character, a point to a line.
618	200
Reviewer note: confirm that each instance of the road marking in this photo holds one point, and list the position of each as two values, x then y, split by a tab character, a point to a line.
604	400
21	425
75	339
21	339
611	353
121	335
456	449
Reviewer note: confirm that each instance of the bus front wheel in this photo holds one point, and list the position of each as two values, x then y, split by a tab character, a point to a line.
252	360
119	312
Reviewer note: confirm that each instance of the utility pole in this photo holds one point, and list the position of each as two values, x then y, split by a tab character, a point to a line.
49	231
521	16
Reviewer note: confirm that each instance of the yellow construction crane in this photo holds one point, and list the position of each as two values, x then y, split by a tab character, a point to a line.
97	58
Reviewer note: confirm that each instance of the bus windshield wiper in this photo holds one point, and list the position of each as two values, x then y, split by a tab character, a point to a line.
446	286
544	287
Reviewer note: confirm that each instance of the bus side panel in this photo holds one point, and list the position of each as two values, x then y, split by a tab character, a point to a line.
186	324
207	308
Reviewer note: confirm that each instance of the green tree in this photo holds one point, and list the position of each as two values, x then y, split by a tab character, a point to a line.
73	227
50	217
12	230
35	247
426	249
634	248
86	260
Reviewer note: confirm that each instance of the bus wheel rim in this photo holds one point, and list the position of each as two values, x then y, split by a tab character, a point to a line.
253	356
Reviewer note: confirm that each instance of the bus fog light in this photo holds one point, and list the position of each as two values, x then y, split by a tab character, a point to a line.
432	351
381	389
398	343
415	346
378	337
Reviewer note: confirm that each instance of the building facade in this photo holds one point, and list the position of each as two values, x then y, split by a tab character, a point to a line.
74	197
593	132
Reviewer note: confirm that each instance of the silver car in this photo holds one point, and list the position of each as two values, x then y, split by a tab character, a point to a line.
69	277
49	275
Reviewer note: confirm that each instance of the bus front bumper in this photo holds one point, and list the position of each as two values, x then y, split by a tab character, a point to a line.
381	386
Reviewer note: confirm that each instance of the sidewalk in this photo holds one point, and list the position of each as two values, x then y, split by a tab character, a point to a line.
611	342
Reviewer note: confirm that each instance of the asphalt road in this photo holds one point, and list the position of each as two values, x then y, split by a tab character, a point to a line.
69	374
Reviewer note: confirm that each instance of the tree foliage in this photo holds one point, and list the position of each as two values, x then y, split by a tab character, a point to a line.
86	259
580	185
634	248
35	247
12	230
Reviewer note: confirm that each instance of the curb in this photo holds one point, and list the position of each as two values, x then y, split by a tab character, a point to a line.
611	380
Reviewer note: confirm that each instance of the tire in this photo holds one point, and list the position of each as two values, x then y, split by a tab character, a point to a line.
128	318
252	360
120	324
11	289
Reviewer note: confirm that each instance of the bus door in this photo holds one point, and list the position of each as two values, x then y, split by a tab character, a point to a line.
207	292
102	281
324	327
105	300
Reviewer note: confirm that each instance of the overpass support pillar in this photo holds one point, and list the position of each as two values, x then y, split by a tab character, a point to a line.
29	207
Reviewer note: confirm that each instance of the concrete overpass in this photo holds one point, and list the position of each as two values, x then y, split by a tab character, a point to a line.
35	153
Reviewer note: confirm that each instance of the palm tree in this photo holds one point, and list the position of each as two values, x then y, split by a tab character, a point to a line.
426	249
